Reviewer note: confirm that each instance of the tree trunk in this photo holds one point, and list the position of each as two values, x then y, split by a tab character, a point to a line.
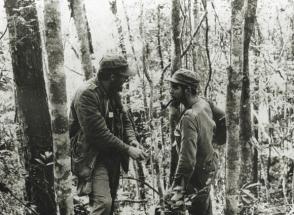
58	106
145	57
138	167
246	131
233	110
292	99
161	96
159	49
195	52
113	7
292	40
204	2
131	39
247	150
31	101
78	13
122	44
175	65
256	102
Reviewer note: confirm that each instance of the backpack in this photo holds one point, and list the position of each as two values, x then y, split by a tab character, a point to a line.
219	117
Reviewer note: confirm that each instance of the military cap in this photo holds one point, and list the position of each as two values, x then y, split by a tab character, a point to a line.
184	77
115	62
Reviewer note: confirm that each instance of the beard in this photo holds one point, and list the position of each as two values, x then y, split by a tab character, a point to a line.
175	102
115	87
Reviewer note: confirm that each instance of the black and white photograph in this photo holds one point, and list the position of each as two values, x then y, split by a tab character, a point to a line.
146	107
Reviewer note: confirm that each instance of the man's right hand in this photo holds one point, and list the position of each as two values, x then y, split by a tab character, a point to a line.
137	154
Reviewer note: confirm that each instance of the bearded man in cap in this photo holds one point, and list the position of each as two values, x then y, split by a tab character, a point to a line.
197	160
102	137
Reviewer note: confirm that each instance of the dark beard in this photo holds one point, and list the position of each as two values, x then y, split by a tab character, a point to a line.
115	88
175	103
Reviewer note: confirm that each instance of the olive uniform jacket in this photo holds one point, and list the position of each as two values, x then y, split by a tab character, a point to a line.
194	134
99	129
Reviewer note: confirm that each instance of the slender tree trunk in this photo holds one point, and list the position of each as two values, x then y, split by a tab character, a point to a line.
31	101
196	15
256	103
204	2
292	101
233	110
247	150
138	167
113	7
58	106
122	44
159	49
175	65
246	131
78	13
161	89
145	56
257	73
131	40
292	41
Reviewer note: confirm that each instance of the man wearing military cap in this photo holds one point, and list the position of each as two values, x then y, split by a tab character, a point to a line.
101	134
197	160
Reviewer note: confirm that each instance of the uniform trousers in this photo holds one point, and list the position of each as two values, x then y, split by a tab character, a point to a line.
104	188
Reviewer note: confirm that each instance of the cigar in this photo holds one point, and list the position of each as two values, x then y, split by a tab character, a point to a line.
163	107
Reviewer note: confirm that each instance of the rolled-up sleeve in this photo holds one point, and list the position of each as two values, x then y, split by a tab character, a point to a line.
188	150
94	126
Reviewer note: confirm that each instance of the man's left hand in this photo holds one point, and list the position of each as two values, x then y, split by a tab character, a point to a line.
175	197
135	143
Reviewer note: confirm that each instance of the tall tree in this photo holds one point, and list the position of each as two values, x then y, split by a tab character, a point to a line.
145	65
161	89
58	106
247	171
113	7
175	65
195	52
292	78
131	40
78	12
138	168
31	102
257	98
246	132
122	44
204	2
233	109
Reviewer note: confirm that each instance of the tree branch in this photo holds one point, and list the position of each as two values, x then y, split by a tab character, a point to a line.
268	62
190	43
4	32
145	183
194	34
208	55
212	4
72	70
132	201
5	189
